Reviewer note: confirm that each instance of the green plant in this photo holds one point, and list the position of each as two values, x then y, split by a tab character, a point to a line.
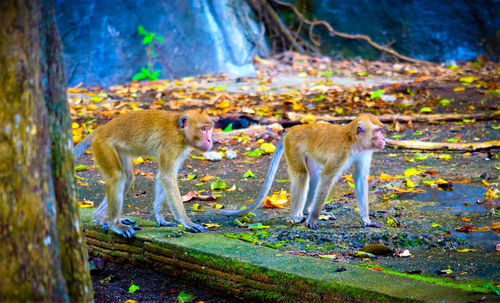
148	72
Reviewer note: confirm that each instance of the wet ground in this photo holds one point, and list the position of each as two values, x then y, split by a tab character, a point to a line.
428	214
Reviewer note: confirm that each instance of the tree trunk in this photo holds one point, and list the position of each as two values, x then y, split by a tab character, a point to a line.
43	257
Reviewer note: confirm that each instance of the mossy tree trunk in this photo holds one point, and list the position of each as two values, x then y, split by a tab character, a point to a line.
43	256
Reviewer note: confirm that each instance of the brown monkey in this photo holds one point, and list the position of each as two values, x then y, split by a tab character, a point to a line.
165	135
316	155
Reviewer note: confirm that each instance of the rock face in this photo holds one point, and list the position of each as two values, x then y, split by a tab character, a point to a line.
103	47
423	29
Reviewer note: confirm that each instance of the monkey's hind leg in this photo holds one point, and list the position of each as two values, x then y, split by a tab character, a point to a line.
127	165
298	185
158	205
116	180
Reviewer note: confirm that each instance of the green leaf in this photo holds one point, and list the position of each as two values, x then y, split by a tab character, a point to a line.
426	110
185	297
319	98
80	167
327	74
228	128
191	176
444	102
255	153
139	76
221	87
147	39
133	288
159	38
218	185
257	226
141	30
154	54
436	225
249	174
145	71
495	127
453	140
376	94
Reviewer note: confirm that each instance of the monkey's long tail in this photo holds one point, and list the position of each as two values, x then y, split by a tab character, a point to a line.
81	147
271	173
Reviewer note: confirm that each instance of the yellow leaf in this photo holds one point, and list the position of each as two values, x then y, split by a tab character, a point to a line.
86	203
386	177
268	148
74	125
348	178
412	172
197	208
467	249
485	183
139	160
459	89
207	178
409	183
491	194
276	200
308	119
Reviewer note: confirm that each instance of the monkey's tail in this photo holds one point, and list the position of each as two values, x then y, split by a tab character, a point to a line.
271	173
81	147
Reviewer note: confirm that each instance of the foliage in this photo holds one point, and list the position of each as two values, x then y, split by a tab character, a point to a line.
148	72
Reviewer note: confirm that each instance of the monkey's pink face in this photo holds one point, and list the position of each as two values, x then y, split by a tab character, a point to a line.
378	139
205	143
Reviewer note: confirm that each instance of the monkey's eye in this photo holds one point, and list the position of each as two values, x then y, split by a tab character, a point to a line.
205	128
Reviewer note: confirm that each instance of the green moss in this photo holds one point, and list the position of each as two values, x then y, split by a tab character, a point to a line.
466	286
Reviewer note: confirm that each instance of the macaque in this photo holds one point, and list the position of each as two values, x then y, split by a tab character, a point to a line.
165	135
316	156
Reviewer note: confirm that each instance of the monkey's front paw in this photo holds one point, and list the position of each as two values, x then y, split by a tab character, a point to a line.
312	224
160	223
371	224
195	228
127	221
124	230
297	219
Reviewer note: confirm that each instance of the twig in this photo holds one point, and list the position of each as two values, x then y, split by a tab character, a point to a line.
421	145
377	46
403	118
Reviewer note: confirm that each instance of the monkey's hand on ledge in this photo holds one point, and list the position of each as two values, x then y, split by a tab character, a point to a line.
194	227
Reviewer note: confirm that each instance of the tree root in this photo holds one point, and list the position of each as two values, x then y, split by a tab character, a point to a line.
377	46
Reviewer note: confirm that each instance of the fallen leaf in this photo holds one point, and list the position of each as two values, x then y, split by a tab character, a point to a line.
249	174
329	256
467	250
393	222
459	89
364	254
185	297
386	177
403	253
276	200
436	225
207	178
218	185
198	208
210	225
81	167
133	288
86	203
257	226
412	171
465	229
194	195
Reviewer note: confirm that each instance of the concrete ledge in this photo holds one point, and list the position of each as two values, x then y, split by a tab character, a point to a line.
259	273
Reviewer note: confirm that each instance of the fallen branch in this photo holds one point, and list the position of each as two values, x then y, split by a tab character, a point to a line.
421	145
402	118
377	46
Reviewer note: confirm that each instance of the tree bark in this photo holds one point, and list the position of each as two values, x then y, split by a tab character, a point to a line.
42	249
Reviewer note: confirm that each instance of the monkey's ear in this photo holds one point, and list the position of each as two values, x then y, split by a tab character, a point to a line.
361	128
183	121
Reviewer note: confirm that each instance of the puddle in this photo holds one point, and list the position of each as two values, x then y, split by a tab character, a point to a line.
483	239
462	198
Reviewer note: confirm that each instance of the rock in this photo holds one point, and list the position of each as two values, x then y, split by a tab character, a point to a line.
213	156
230	154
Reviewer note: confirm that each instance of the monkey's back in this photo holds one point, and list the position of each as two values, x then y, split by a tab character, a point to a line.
136	132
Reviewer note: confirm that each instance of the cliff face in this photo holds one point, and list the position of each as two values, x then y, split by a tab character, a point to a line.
103	47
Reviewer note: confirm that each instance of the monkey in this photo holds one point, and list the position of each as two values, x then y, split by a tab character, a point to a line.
316	155
169	137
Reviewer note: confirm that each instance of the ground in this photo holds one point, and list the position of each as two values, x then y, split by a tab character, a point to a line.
414	193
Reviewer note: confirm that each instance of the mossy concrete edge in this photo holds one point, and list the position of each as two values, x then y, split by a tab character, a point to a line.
259	273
